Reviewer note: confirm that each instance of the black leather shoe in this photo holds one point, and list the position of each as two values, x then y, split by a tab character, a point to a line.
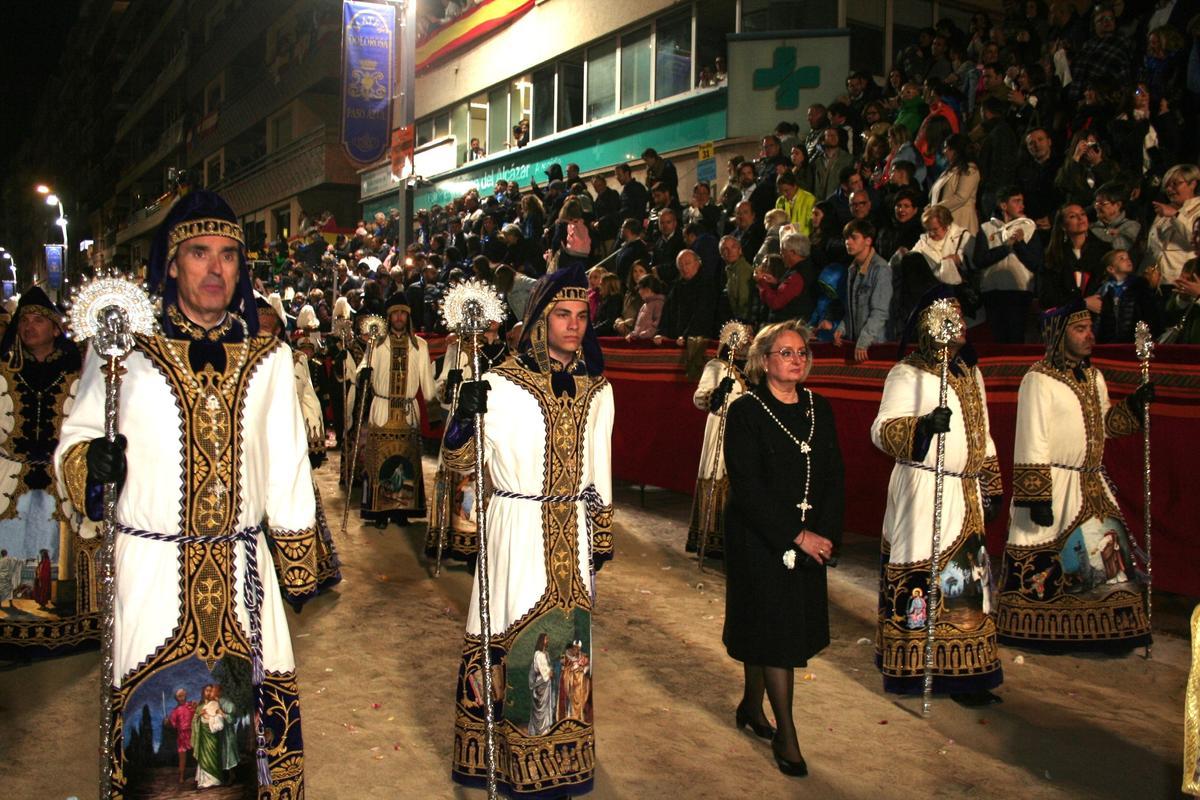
796	769
760	729
380	524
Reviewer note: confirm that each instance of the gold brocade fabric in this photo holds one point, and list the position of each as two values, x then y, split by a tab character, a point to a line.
1191	716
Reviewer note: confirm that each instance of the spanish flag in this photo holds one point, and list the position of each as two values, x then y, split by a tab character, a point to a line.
473	25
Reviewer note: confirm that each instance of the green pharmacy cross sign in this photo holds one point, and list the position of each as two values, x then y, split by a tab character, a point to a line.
786	79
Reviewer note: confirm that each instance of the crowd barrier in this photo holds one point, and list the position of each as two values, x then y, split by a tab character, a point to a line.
658	431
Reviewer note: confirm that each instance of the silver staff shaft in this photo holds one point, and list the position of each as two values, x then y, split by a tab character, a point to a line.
362	415
441	489
710	510
108	586
1146	506
485	611
933	595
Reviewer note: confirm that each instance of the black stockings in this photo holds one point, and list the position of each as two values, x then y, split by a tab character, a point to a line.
779	684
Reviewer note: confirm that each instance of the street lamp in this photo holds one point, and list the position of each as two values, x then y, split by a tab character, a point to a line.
53	200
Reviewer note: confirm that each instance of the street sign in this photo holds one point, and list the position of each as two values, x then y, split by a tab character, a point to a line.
704	151
706	170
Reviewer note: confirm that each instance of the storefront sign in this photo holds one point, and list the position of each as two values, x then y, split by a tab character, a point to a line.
773	79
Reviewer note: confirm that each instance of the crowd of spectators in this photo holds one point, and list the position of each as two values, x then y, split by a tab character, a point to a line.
1032	161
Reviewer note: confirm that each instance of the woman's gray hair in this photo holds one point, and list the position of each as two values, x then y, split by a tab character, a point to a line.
764	342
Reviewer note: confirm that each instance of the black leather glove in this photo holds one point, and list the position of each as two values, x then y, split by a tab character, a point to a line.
936	421
106	460
1042	514
472	400
453	378
1141	396
717	398
991	506
364	378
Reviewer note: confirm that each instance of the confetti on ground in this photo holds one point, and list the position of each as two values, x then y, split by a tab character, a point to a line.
329	669
808	676
302	635
645	591
376	706
709	616
389	719
381	577
666	568
982	721
1018	659
321	690
883	722
863	640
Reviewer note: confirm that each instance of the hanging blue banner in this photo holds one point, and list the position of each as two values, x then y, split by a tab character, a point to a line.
367	74
54	265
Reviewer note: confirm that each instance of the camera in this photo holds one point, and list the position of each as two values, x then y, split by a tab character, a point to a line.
1094	147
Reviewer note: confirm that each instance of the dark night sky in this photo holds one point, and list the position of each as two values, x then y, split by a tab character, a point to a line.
30	34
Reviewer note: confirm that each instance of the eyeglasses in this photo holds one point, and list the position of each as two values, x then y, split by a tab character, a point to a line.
788	354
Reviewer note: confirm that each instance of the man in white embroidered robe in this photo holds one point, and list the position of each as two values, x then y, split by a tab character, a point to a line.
1073	580
211	461
547	441
966	661
394	481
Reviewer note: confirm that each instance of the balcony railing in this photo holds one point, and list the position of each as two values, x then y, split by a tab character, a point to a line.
168	76
265	96
310	161
170	140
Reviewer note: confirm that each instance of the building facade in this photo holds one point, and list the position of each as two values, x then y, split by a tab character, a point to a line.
597	83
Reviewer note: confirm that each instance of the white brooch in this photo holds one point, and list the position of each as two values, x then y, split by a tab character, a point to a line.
789	559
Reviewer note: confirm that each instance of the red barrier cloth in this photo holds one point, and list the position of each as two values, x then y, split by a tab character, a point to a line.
657	432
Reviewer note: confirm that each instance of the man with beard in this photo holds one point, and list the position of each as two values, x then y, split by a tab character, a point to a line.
393	481
1063	507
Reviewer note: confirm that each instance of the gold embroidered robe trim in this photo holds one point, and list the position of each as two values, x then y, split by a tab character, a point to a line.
1121	421
295	555
61	393
75	475
1032	483
897	437
991	481
211	405
566	419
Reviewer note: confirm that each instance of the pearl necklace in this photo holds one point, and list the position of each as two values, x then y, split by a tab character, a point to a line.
185	369
805	447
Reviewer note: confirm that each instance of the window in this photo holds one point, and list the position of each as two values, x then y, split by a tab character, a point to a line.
570	94
602	80
214	168
520	101
280	130
478	122
460	127
214	94
788	15
497	120
864	18
424	131
441	126
283	221
714	20
635	68
542	123
673	56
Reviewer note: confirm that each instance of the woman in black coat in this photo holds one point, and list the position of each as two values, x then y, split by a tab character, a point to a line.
783	523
